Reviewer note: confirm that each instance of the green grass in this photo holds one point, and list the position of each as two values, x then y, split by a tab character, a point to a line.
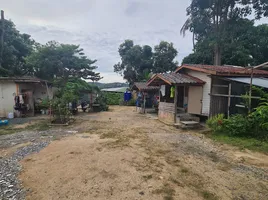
242	143
11	129
41	126
5	130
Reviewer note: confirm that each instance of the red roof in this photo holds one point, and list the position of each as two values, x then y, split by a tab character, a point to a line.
223	70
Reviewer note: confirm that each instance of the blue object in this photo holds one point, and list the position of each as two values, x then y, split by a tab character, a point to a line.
3	122
127	96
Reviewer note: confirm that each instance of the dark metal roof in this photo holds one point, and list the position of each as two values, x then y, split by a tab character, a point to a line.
174	78
23	79
261	82
223	70
142	86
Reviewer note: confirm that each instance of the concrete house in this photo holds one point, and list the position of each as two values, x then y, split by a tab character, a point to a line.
203	90
31	90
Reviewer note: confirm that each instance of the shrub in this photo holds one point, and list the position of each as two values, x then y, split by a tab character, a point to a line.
102	101
216	122
114	98
259	120
236	125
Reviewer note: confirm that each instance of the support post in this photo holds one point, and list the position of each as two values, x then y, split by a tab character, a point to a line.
175	103
229	98
250	90
144	102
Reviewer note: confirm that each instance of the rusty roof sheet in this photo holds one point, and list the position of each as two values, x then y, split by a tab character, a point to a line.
224	70
175	78
142	86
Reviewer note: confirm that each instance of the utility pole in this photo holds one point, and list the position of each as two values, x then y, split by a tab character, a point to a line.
250	90
2	37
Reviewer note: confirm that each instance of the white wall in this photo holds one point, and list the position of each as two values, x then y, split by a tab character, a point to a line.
206	89
7	94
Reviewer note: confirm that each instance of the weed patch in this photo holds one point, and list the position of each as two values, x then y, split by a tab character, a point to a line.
242	143
167	191
208	195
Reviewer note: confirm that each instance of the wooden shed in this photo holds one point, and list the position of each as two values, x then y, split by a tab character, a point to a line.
179	93
203	90
147	94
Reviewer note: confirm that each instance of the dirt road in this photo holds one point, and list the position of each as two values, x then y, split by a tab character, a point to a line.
124	155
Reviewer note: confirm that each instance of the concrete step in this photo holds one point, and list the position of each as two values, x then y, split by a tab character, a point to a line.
187	117
187	125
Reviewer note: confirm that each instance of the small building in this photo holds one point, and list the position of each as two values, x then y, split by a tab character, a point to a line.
26	90
202	90
146	95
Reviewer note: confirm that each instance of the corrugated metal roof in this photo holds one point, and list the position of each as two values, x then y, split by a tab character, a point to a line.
175	78
261	82
143	86
223	70
23	79
120	89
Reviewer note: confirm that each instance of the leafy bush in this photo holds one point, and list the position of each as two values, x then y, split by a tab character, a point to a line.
216	122
102	101
113	98
259	120
236	125
253	126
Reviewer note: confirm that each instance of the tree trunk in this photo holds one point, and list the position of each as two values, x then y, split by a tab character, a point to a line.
217	55
193	41
2	37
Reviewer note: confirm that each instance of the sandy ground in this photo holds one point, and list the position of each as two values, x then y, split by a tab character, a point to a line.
125	155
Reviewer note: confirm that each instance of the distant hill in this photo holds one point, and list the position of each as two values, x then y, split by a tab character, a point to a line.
109	85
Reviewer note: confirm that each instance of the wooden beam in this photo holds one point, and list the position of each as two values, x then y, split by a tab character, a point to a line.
261	65
225	86
175	103
236	96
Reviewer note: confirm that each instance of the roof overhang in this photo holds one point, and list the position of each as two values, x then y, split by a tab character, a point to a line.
195	69
174	78
260	82
143	86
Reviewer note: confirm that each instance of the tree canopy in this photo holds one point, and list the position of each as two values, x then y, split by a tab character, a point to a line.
164	55
244	44
55	60
16	48
212	23
137	62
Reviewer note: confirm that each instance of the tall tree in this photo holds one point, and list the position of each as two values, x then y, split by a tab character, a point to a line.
136	61
55	60
164	55
244	44
16	47
211	18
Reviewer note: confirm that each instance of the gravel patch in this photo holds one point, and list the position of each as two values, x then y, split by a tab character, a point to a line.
10	187
31	136
257	172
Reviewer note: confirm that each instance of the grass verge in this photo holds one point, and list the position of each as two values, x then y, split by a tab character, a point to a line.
11	129
242	143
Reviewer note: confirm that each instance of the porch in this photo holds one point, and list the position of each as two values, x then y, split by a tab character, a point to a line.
180	97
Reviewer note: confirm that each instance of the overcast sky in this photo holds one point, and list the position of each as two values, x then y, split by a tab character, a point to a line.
100	26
